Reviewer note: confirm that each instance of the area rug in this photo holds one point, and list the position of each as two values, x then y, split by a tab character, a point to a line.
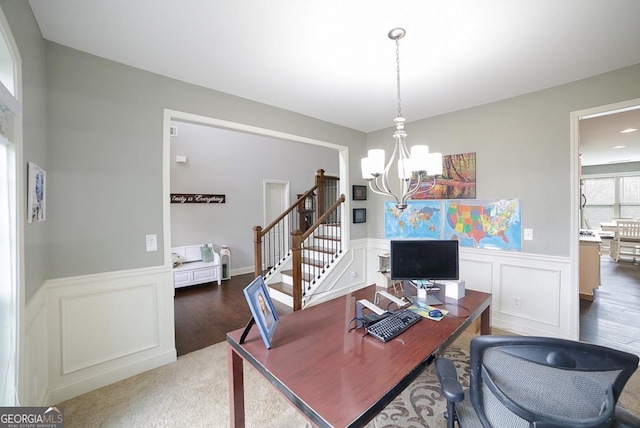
193	392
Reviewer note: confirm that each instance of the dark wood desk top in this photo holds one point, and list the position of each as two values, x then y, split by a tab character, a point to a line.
340	378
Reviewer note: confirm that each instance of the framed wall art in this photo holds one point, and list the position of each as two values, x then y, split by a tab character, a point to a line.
359	193
359	215
262	309
36	193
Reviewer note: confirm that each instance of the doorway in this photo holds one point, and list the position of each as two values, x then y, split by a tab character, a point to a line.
276	201
605	320
275	196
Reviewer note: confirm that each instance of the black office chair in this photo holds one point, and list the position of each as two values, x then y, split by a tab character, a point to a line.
521	381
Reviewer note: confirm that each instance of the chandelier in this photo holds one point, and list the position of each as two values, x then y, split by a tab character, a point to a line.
418	161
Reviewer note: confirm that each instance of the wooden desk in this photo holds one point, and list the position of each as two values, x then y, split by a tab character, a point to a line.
344	379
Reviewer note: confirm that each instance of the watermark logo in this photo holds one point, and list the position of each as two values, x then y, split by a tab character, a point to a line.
31	417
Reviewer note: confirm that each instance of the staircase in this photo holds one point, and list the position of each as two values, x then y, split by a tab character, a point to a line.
294	253
325	247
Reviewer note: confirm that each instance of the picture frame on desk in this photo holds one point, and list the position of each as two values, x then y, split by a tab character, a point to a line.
262	309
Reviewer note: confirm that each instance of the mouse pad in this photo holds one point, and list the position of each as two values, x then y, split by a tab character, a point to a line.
424	311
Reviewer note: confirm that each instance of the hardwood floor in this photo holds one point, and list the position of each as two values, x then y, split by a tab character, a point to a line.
205	313
612	318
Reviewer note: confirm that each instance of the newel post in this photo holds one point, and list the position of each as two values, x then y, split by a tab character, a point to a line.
320	185
257	250
296	237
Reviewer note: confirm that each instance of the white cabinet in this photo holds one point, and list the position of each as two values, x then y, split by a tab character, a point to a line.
193	270
192	273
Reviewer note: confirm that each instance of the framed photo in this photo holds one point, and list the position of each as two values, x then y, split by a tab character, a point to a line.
359	215
36	194
359	193
264	314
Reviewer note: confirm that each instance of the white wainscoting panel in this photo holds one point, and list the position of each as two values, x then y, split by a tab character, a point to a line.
107	327
531	294
477	274
113	313
347	275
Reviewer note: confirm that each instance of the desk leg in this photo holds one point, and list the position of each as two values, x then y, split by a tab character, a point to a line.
236	388
485	321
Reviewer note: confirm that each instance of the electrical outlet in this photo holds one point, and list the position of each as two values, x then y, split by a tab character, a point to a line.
516	302
354	275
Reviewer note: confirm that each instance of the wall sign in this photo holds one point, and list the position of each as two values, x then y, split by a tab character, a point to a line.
197	198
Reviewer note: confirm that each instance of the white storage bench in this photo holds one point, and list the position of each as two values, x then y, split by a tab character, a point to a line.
193	270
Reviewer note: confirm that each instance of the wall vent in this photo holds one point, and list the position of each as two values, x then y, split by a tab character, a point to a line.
173	131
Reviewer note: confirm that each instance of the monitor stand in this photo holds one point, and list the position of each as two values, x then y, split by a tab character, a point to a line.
410	289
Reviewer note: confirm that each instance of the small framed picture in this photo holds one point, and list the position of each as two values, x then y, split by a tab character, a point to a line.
359	193
36	196
264	314
359	215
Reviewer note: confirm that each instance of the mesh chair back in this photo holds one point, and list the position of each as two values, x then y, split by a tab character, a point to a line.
518	380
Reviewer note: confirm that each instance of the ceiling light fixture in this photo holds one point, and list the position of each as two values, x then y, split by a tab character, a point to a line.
419	161
618	147
628	130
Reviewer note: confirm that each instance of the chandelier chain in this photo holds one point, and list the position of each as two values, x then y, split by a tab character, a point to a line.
398	76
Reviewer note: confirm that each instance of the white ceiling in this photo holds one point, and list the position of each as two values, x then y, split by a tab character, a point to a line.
332	59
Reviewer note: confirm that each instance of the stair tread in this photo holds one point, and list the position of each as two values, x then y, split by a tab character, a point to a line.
305	275
312	262
282	287
320	249
327	237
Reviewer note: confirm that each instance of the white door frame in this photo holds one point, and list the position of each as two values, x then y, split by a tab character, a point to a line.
169	115
575	117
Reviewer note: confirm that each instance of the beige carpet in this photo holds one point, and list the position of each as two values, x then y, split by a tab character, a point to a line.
193	392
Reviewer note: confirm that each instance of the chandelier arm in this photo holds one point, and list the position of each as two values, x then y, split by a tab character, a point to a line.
417	187
373	185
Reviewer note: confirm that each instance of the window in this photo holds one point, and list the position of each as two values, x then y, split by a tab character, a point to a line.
10	151
629	190
609	197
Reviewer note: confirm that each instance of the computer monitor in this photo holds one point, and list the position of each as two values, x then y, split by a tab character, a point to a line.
420	261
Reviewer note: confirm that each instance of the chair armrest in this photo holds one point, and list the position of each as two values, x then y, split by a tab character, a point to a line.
448	377
624	418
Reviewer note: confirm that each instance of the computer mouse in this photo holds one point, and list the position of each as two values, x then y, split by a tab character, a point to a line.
435	313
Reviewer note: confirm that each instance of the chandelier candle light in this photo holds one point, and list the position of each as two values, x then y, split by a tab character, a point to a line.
418	161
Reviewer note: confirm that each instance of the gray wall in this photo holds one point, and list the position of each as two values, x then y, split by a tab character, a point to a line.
105	155
235	164
523	151
103	151
96	127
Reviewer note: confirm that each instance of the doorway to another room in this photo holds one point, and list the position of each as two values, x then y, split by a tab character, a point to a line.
257	189
609	177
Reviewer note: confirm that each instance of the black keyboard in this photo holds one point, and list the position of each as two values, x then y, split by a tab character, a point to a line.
391	326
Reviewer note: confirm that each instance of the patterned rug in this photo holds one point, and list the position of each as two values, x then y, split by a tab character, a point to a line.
421	404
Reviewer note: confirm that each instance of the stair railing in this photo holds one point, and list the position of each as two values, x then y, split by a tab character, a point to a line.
304	249
272	245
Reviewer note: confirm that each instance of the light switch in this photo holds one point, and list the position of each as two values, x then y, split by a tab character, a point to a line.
528	234
152	243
